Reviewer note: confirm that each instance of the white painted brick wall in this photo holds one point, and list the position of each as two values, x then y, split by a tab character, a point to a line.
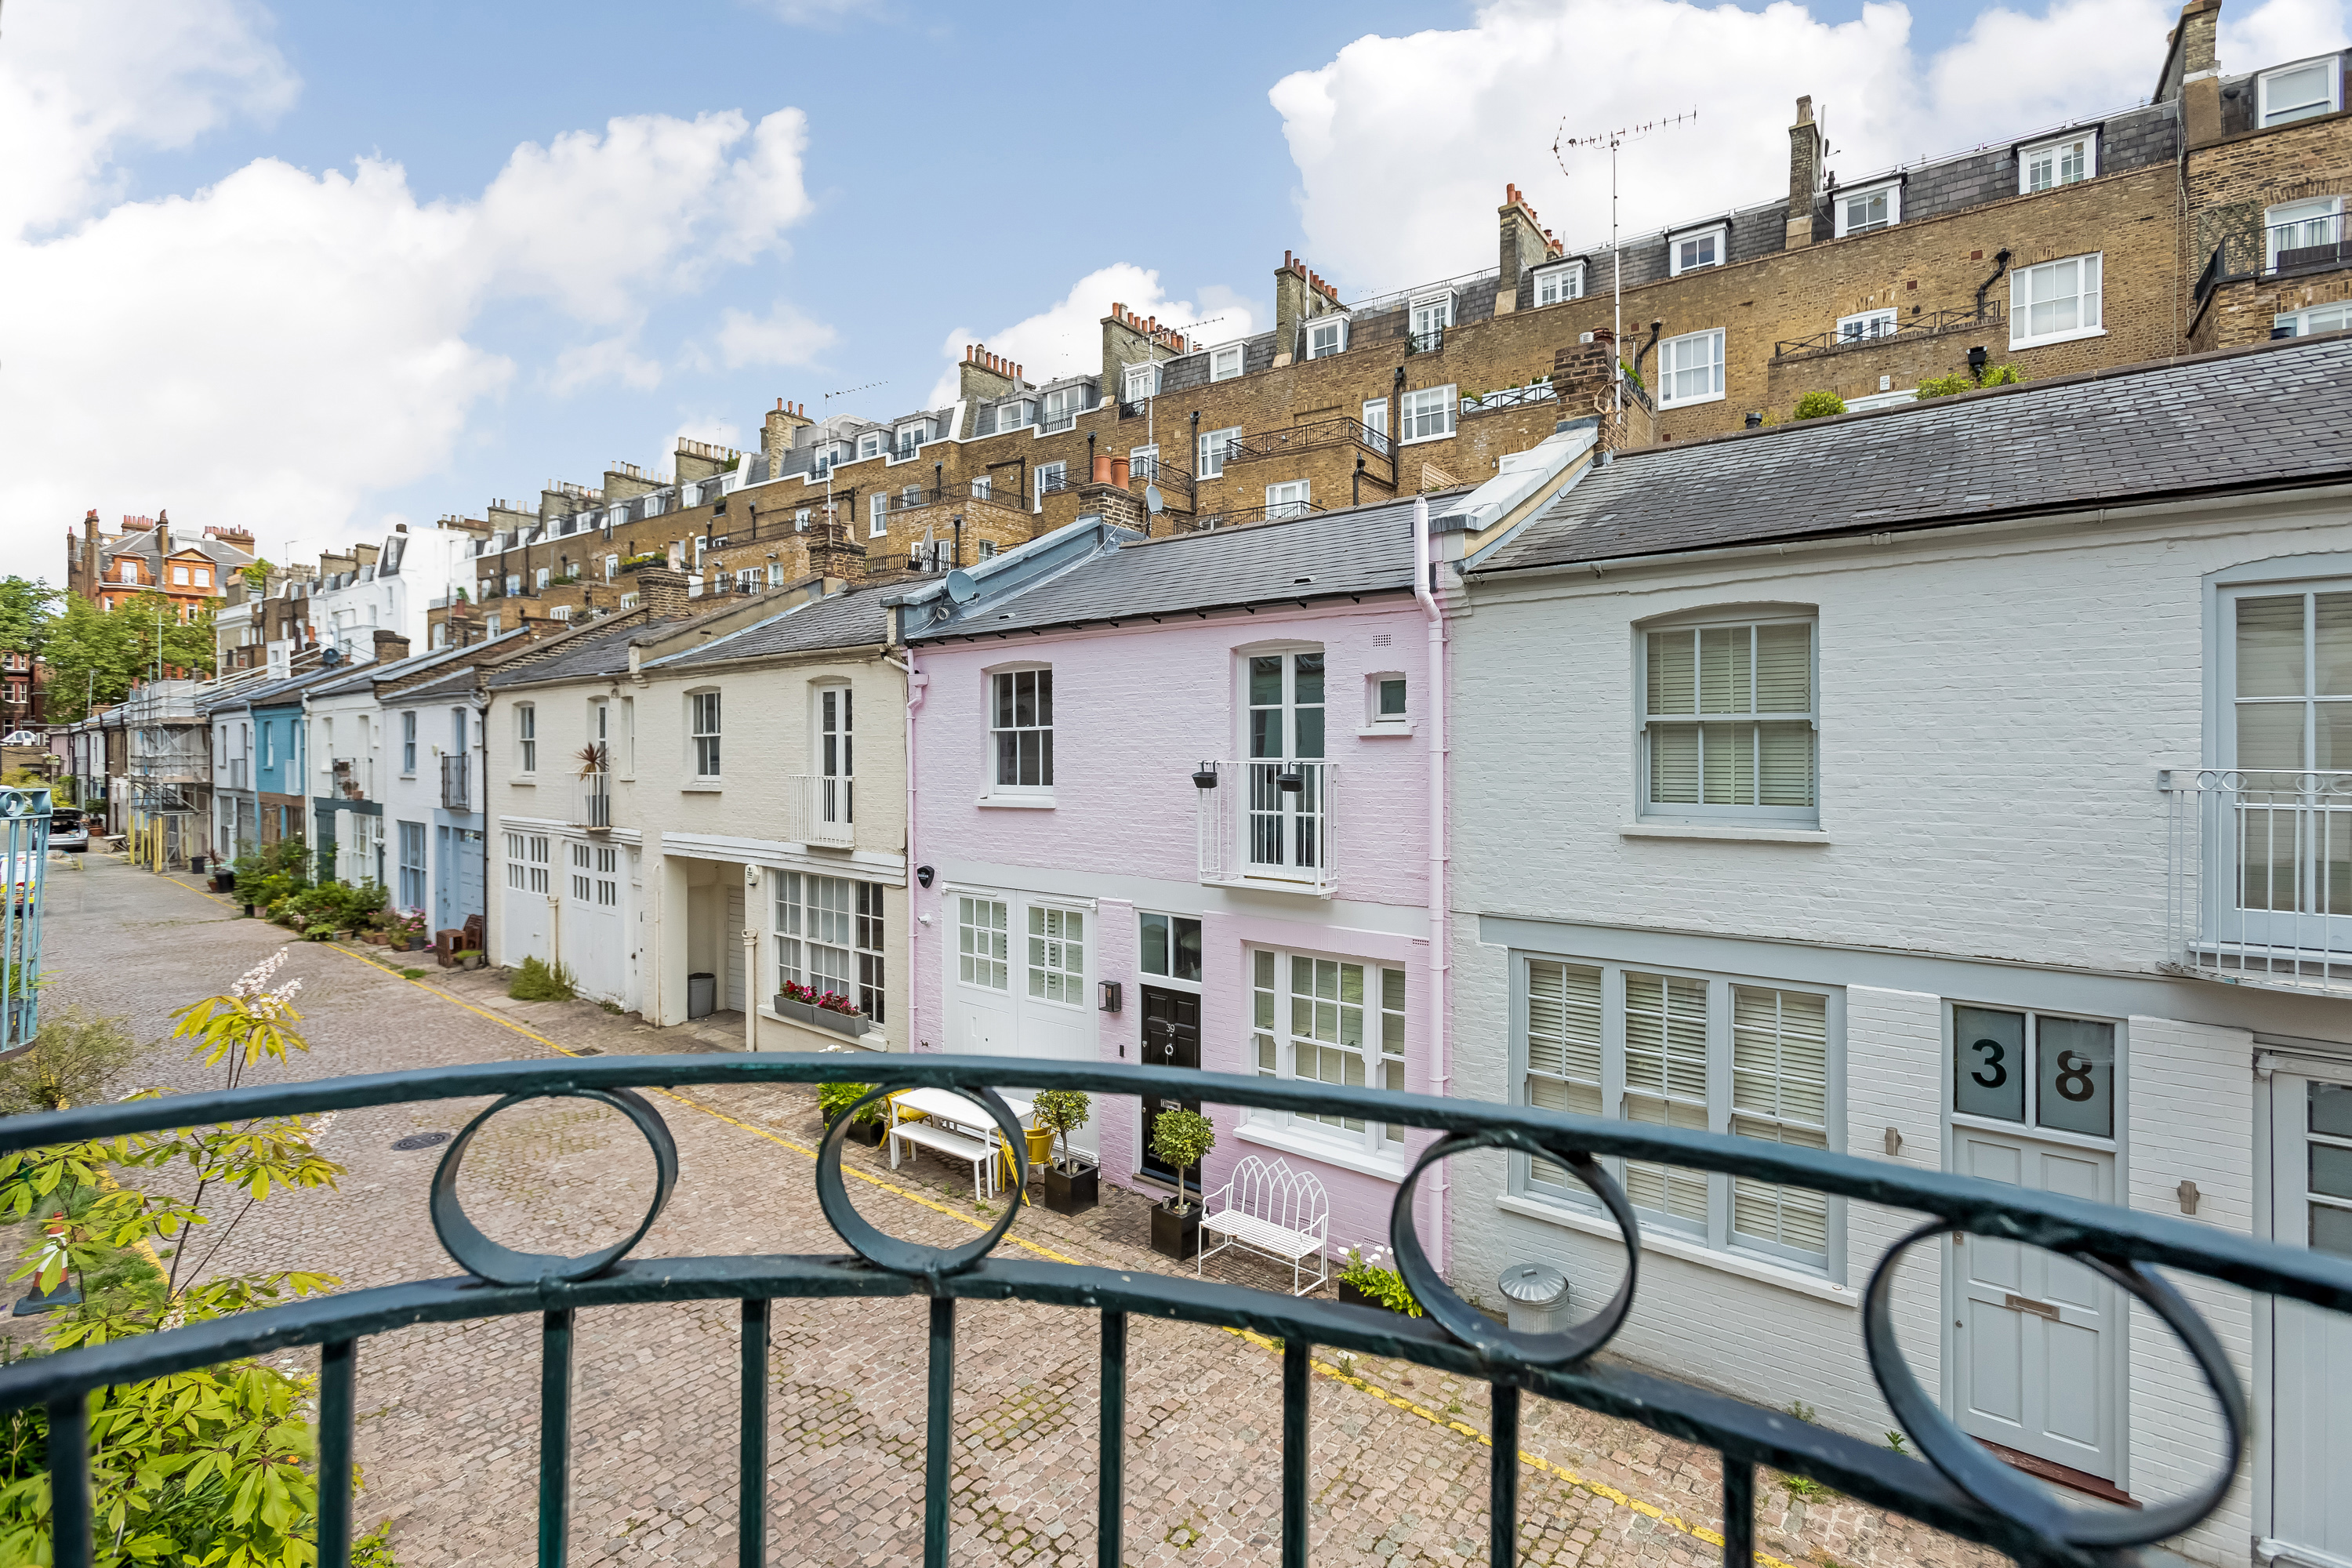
2187	1079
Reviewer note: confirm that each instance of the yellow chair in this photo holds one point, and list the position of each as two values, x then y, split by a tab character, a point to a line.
1041	1149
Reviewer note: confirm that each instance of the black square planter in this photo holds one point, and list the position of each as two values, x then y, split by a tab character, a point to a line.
1174	1234
1076	1191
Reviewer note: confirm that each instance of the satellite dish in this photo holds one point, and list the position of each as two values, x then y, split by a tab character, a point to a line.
1152	500
961	589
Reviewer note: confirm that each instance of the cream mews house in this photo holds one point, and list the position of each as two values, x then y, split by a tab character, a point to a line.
1959	784
747	825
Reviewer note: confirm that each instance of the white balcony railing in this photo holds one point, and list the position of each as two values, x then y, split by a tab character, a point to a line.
819	807
1267	823
2260	877
595	809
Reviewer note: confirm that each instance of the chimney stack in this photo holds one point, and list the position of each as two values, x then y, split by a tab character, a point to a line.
1523	244
391	647
1808	151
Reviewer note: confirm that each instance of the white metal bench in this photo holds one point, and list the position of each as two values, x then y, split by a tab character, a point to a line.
1274	1211
949	1146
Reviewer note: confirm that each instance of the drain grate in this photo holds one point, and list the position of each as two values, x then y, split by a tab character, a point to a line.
420	1140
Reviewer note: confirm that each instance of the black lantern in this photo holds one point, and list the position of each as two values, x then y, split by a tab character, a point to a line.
1291	779
1205	776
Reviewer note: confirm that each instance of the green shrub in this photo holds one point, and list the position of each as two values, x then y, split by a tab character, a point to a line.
537	982
1819	405
1961	381
1383	1285
1064	1111
835	1099
70	1063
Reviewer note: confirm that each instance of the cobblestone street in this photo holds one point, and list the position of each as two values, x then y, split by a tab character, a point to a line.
448	1413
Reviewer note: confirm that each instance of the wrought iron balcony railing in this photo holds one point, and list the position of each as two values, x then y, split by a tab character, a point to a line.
1306	438
1243	515
817	810
1911	329
1425	343
1267	823
2259	877
2280	250
1961	1488
1510	397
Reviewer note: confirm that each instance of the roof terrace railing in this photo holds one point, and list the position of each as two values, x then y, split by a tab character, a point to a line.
1243	515
1954	1485
1306	438
1862	334
2319	244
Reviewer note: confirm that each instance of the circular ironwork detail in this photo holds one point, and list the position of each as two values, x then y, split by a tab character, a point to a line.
421	1140
478	1255
1472	1327
2006	1491
886	1251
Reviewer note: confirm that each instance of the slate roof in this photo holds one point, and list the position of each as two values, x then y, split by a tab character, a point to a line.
598	653
1324	556
838	620
2269	417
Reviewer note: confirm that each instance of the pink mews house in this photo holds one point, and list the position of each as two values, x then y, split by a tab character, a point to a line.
1174	804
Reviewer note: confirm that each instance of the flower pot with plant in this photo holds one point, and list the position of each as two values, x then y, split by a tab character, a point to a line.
1179	1140
820	1009
1073	1183
835	1100
1368	1281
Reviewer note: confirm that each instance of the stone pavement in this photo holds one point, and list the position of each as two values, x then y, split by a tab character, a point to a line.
448	1413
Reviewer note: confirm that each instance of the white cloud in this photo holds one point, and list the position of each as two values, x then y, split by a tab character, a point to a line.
1391	194
1066	337
782	336
273	349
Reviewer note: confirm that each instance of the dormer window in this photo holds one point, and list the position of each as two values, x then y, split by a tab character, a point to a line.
2301	92
912	436
1866	211
1698	248
1557	284
1062	407
1327	336
1139	382
1225	364
870	444
1431	315
1014	415
2068	161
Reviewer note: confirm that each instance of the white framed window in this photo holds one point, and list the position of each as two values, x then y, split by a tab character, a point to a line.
877	514
2034	1070
1690	369
2300	91
983	488
702	727
179	577
583	886
560	613
514	581
541	581
1700	247
988	549
1329	1020
2055	301
1049	478
1325	336
1868	325
1431	315
1867	210
526	738
608	878
526	862
983	944
912	437
1384	700
408	743
203	577
870	444
1062	407
1729	722
2068	161
1558	284
2318	319
2300	233
1012	416
1169	947
1225	364
628	602
835	754
1057	955
1143	462
1702	1052
412	865
1212	464
612	567
1139	382
1021	730
127	572
1376	423
1288	499
1427	415
829	937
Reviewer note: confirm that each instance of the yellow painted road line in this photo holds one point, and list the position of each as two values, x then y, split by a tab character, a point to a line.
1536	1461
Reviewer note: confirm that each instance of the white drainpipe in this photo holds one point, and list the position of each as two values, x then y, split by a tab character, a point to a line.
915	682
1441	1056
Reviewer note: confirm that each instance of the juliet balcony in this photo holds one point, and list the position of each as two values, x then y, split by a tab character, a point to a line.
1267	823
456	793
2259	884
817	811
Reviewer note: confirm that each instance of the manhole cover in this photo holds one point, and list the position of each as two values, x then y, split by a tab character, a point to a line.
420	1140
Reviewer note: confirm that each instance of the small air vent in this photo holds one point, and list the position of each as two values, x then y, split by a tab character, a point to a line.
1379	639
1294	581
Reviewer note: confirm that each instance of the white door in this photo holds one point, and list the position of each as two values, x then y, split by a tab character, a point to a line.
2311	1349
2033	1335
731	944
592	934
1019	984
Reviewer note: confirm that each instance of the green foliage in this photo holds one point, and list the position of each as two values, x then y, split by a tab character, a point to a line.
1898	1442
25	613
411	975
69	1062
1064	1111
1805	1488
835	1099
1819	406
257	576
215	1466
1384	1285
1961	381
1802	1411
94	655
537	982
1182	1139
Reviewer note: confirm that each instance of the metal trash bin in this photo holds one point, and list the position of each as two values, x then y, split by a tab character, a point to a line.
1535	1297
701	995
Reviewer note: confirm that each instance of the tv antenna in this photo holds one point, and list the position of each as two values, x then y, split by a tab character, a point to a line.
1613	140
827	403
1151	353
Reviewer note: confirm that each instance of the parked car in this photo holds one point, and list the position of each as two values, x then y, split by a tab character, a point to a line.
68	829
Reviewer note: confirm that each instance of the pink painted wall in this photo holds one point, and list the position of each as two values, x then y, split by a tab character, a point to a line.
1135	709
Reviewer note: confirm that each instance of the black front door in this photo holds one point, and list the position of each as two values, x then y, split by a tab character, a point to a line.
1172	1038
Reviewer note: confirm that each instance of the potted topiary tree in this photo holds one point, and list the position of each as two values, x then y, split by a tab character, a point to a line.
1181	1139
1072	1183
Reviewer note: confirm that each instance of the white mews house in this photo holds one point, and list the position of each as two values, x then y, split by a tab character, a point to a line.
1963	784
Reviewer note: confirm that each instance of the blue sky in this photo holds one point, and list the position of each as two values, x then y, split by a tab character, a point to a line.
311	268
